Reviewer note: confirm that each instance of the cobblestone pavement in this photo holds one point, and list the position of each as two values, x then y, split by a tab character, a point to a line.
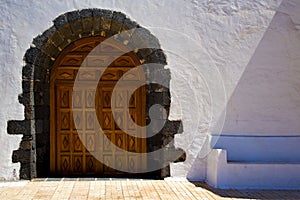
128	189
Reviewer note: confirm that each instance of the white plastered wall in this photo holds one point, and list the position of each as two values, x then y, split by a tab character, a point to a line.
217	35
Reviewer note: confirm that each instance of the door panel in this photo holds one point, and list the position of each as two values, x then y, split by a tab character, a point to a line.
69	155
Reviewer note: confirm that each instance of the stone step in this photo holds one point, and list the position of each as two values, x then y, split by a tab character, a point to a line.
242	175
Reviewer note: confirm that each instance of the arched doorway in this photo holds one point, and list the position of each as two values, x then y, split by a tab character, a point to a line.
40	59
69	152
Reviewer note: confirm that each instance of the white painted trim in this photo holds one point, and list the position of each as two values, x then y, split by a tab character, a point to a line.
259	149
224	175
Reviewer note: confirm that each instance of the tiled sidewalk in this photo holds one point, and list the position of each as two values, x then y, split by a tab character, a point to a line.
128	189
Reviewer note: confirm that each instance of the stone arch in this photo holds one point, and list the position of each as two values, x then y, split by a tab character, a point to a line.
33	152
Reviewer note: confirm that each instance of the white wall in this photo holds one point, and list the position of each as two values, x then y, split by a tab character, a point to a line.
266	99
259	145
208	46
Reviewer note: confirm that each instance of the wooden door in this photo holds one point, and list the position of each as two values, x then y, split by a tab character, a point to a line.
69	157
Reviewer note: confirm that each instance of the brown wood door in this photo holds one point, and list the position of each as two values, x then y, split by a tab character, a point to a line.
68	153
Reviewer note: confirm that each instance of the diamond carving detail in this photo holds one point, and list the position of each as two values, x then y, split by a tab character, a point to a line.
65	164
65	142
65	121
78	164
77	144
90	164
106	99
65	99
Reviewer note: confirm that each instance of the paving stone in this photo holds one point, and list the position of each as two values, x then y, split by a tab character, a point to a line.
51	188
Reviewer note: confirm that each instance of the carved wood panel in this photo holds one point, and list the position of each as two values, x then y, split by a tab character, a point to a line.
68	153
